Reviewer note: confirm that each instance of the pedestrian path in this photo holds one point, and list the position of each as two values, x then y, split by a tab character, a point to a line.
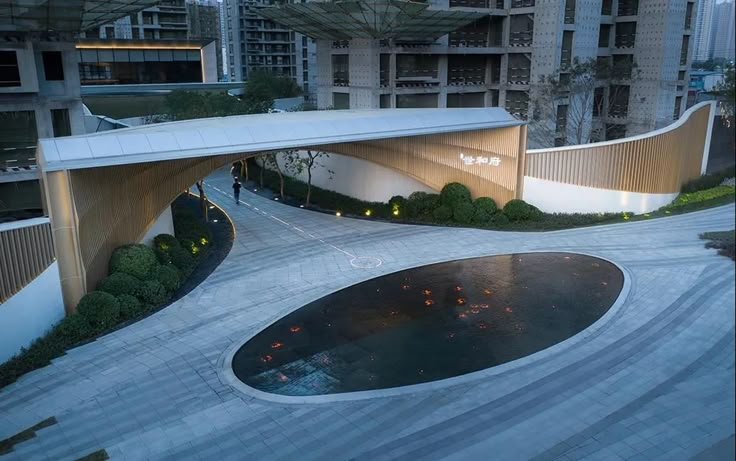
655	381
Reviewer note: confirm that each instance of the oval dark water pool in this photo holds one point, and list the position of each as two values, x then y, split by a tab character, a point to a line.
429	323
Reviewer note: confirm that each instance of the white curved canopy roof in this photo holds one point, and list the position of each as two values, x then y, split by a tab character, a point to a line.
257	133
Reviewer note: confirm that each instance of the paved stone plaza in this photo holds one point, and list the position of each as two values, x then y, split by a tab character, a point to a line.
652	380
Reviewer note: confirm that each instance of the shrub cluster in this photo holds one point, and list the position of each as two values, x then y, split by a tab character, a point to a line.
519	210
709	181
453	204
140	279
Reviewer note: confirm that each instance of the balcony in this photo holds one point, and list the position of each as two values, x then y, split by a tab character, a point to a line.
473	35
340	78
607	8
521	30
469	3
522	3
628	7
519	69
569	11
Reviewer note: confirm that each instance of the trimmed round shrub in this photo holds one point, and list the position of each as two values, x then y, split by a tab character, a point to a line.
485	208
463	213
442	213
167	276
189	246
162	256
486	204
120	283
135	259
73	328
500	219
519	210
421	204
397	199
154	293
182	260
129	306
398	207
100	309
454	194
165	241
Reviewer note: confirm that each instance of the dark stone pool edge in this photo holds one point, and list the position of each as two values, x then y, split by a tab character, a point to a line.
227	375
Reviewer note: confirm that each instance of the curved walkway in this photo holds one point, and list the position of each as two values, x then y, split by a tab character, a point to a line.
655	382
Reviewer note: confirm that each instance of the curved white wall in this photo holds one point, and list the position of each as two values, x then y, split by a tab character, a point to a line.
557	197
31	312
362	179
164	225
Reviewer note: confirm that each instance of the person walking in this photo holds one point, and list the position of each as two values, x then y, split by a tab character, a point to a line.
236	191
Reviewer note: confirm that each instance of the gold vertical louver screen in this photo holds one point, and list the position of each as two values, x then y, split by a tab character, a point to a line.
434	160
25	252
116	205
656	164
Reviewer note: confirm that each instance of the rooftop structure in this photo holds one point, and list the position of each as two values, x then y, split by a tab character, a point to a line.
373	19
67	16
481	53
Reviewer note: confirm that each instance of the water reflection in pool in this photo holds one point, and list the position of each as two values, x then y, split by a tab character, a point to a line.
429	323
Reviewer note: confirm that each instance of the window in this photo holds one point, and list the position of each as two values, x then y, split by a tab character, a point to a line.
18	137
385	101
340	101
53	66
60	122
9	73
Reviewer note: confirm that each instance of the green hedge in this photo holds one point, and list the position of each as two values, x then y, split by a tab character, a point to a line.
135	259
442	213
100	309
120	283
140	279
709	181
519	210
463	213
154	293
485	208
454	194
130	306
421	205
168	276
688	198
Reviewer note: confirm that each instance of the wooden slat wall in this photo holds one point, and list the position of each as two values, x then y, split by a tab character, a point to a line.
434	160
25	252
116	205
658	164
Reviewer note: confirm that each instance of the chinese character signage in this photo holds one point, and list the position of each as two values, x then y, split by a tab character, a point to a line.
480	160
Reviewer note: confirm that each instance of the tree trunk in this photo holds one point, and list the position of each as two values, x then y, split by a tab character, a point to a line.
309	185
202	200
263	167
281	179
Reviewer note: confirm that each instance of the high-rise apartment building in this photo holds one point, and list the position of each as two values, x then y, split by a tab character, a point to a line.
714	31
165	21
703	36
723	30
495	57
255	43
203	23
168	20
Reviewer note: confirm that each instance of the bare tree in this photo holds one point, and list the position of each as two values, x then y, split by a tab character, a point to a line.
562	106
202	200
271	161
297	164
